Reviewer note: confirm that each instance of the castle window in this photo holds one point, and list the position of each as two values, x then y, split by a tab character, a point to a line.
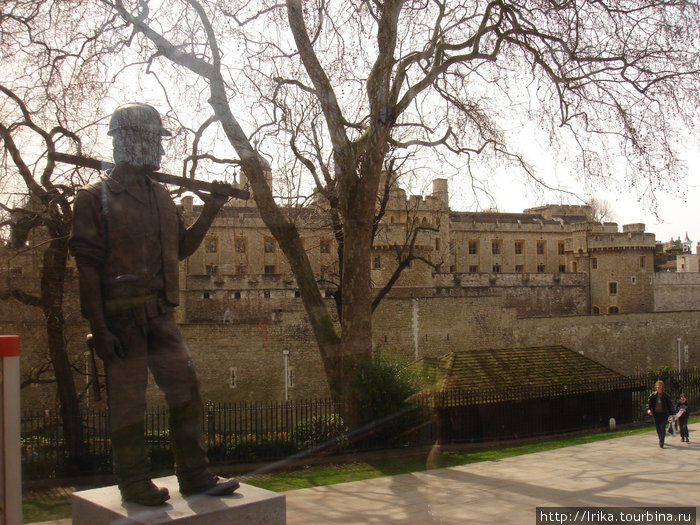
205	295
210	244
495	246
518	247
269	245
496	268
560	248
642	261
594	263
241	245
437	244
266	294
612	288
473	269
541	245
613	310
297	293
233	376
210	269
519	268
325	246
596	310
241	269
540	268
634	280
453	268
473	247
377	262
270	268
562	268
236	295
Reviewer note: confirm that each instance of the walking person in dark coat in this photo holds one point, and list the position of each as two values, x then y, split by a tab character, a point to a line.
660	406
681	415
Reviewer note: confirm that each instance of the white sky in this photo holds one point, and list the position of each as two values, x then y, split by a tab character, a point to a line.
674	214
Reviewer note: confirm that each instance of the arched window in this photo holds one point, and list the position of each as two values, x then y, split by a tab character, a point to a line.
613	310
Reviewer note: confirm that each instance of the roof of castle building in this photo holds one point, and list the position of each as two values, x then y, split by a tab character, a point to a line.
464	216
509	368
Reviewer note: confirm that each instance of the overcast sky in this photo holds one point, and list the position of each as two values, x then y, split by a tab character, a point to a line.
674	213
672	216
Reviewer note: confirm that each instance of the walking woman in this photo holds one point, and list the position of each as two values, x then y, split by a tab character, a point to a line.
660	406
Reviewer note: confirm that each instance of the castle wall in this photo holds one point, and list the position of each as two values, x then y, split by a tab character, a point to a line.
621	280
498	280
676	291
430	326
510	246
627	343
531	294
245	360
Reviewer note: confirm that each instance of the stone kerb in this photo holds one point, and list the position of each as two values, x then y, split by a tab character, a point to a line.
249	505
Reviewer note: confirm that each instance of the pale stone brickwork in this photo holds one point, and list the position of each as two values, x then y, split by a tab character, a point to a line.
551	260
688	262
676	291
496	280
245	360
420	327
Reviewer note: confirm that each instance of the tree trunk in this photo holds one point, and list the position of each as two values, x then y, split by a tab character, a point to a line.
52	287
288	239
359	201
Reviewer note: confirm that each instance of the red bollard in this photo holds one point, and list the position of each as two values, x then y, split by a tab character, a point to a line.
10	448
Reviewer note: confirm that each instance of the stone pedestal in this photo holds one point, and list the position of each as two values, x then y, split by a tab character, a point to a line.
248	506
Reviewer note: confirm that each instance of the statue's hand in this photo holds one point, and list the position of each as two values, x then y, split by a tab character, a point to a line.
215	199
107	346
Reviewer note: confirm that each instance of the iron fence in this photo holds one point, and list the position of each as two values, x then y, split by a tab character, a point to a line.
266	431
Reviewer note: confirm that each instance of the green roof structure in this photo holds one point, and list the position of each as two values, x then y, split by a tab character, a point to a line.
511	368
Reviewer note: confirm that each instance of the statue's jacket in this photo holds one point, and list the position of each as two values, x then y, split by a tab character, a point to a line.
128	227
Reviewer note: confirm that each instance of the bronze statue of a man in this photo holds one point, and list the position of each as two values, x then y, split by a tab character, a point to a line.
127	239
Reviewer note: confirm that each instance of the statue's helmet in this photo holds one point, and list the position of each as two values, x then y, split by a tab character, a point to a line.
137	116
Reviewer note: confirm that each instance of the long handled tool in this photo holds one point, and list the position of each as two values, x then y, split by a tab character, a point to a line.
230	190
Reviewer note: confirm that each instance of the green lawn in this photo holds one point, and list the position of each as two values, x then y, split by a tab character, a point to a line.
339	473
46	508
50	506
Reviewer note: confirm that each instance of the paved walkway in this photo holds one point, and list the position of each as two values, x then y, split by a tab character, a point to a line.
627	471
614	473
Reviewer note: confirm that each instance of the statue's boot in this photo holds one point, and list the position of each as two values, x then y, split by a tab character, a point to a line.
132	467
190	453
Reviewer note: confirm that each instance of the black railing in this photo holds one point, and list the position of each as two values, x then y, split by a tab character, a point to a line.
266	431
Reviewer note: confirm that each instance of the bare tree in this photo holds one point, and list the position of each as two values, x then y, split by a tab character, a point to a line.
435	76
48	94
601	210
329	92
47	207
